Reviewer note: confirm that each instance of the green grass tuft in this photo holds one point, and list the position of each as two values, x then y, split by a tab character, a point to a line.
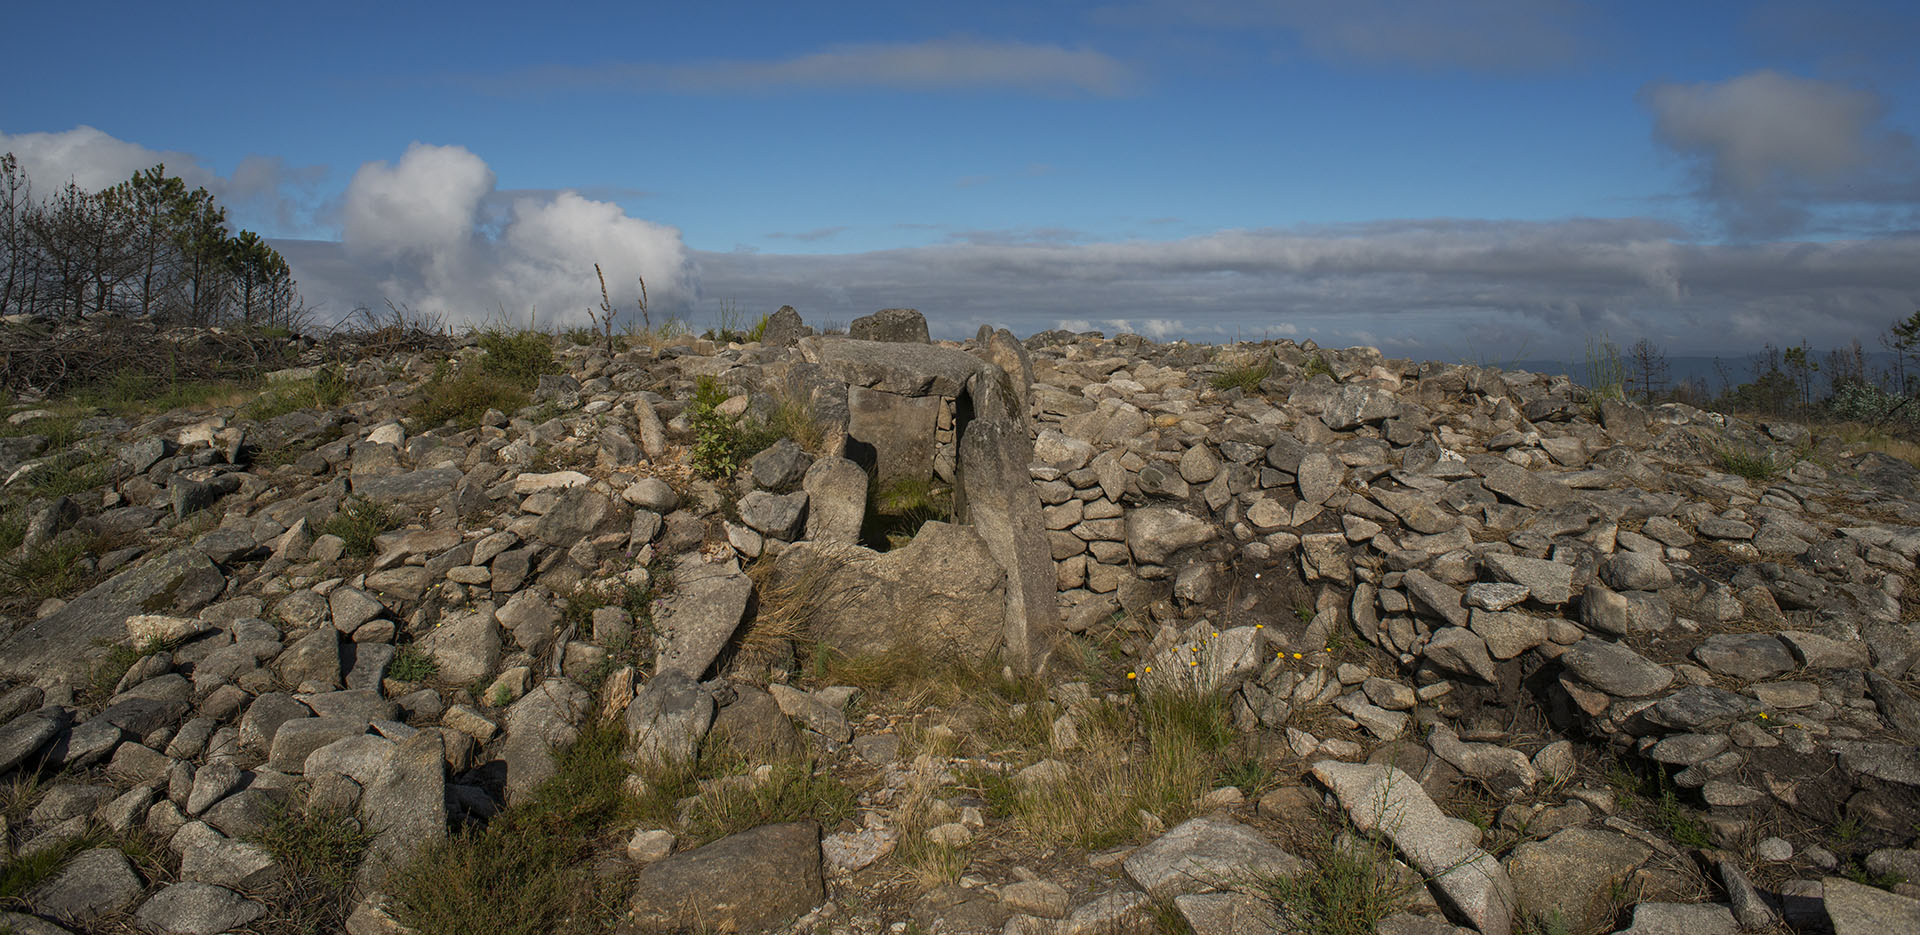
524	872
359	523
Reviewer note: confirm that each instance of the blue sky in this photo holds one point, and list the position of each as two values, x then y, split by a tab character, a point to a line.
1443	178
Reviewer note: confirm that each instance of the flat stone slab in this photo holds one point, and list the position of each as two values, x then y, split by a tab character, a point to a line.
54	650
1384	799
754	881
1207	854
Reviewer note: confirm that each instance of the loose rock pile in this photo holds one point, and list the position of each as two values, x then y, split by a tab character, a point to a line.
1426	590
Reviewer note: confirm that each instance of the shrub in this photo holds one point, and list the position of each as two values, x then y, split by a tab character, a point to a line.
721	443
521	356
1345	890
1317	365
318	850
521	874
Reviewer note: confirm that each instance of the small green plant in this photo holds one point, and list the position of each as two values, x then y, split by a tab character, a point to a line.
1858	873
318	851
519	356
521	873
721	443
359	523
325	389
1317	366
105	675
1345	890
1244	377
1678	822
51	570
1606	373
1742	462
412	664
793	790
759	329
1846	829
1246	773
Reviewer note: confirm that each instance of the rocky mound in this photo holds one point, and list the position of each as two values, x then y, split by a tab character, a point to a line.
1659	660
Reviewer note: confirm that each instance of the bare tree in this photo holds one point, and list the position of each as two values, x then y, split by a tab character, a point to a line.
1646	370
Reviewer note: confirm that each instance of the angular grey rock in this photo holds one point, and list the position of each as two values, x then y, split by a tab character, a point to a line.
414	487
694	623
298	738
776	515
466	644
1547	582
1858	909
1318	477
1615	669
1154	533
1900	709
1508	634
780	465
784	327
1750	656
667	719
896	325
1682	919
821	717
1385	799
1605	611
1894	762
1354	405
1227	914
942	593
94	884
196	909
994	493
1519	484
1699	707
405	803
1462	652
1441	600
1635	571
651	493
579	512
350	607
1573	874
1207	854
754	881
207	856
312	658
836	501
542	721
28	733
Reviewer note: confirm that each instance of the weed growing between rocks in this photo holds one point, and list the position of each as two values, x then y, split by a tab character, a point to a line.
358	523
319	849
412	664
325	389
521	873
1741	462
722	442
1350	884
1244	377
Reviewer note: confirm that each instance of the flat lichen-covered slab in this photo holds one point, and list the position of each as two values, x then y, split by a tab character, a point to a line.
54	650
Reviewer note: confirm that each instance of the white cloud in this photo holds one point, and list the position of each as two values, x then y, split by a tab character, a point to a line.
419	233
261	192
1770	149
937	64
1447	286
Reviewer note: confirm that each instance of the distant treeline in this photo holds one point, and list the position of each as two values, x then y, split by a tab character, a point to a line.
1850	383
147	247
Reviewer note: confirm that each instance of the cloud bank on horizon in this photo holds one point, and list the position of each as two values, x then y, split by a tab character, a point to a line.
1031	170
